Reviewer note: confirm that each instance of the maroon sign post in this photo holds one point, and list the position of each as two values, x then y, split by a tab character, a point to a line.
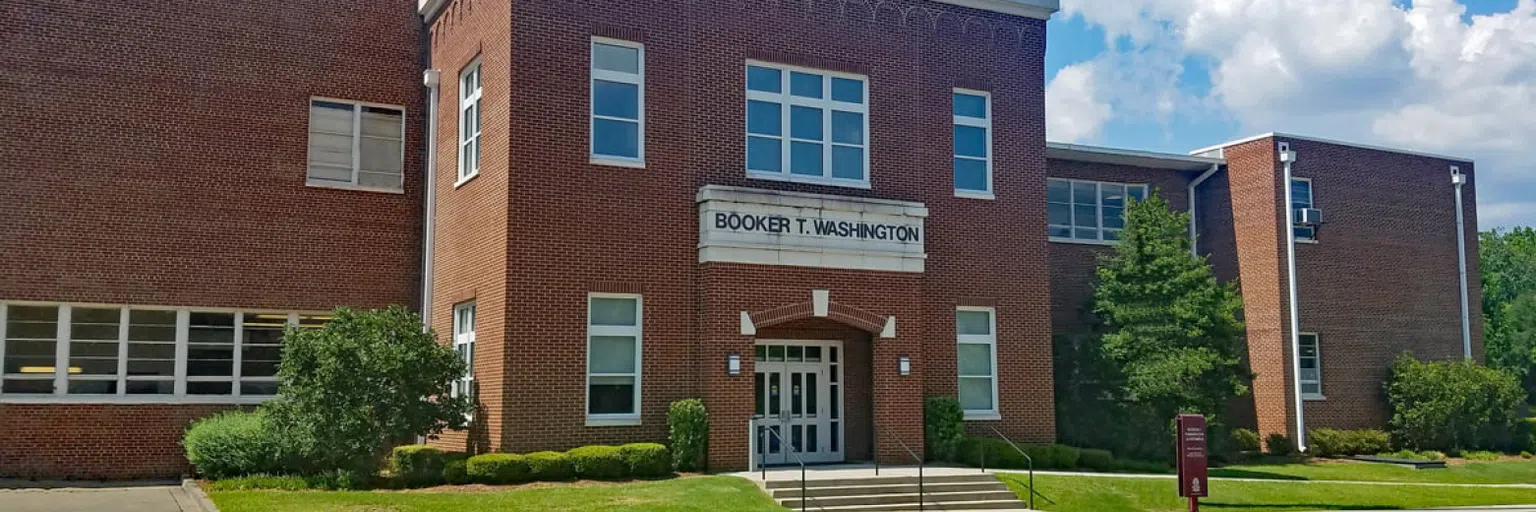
1193	481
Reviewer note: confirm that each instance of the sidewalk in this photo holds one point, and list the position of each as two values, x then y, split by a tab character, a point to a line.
119	497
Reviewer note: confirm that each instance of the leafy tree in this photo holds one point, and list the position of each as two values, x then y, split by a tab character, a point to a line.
1172	328
1452	405
367	379
1507	260
1513	348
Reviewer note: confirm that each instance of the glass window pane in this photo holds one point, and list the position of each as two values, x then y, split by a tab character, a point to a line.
92	387
794	353
975	360
1058	191
258	388
971	174
805	84
1312	388
1058	214
765	79
611	395
848	162
759	394
615	99
761	352
610	57
805	158
1059	232
382	122
775	352
380	155
151	387
1085	193
1114	218
970	105
805	123
812	354
976	394
1138	192
611	354
765	154
27	386
1112	194
1085	234
330	117
764	118
208	388
615	311
847	127
970	141
1301	194
973	322
1085	216
847	90
616	138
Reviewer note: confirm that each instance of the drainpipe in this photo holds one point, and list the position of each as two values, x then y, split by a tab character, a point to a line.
1458	179
431	78
1287	157
1194	232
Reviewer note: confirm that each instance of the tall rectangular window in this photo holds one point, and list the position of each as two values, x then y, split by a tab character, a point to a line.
469	122
464	345
210	367
31	349
618	102
807	125
1311	369
613	359
151	352
1301	197
973	143
1088	211
976	337
261	350
355	144
94	347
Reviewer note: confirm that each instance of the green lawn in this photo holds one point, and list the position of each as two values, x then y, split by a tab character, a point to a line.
1502	472
1110	494
702	494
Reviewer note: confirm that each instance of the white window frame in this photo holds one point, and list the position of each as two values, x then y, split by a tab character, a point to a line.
1098	203
60	376
470	99
786	101
990	340
606	420
464	343
357	146
984	124
290	319
1317	361
638	80
1311	203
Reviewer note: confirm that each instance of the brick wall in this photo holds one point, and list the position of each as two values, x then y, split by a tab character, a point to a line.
96	442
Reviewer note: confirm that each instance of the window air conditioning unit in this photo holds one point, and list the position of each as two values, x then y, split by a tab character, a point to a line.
1309	216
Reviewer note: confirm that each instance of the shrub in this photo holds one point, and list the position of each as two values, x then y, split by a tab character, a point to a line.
1141	466
688	431
1327	442
549	466
337	421
257	482
1482	455
498	468
456	472
1526	455
996	453
1279	444
944	427
1452	405
598	462
417	464
1097	460
232	444
1413	455
1246	440
646	459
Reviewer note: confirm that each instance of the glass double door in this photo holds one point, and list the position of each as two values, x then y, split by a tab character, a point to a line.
797	390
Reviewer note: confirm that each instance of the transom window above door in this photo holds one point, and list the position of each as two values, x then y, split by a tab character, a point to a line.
807	125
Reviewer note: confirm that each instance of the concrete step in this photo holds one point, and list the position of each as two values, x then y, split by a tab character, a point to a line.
931	498
954	506
855	490
879	480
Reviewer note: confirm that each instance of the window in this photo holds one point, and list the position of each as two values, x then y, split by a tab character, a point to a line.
807	125
976	333
469	122
133	353
618	102
973	143
1301	197
356	145
464	345
613	359
1088	211
1311	371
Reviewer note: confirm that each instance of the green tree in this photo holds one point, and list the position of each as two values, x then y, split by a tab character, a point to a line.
1171	327
1452	405
1507	260
1513	348
365	380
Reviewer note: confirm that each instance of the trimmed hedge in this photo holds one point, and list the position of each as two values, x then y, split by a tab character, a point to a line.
1453	405
1246	440
996	453
456	472
234	443
1328	442
598	462
550	466
688	432
645	460
1097	460
943	426
417	465
498	468
1279	444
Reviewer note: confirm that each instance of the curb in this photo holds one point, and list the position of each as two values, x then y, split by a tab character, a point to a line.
198	497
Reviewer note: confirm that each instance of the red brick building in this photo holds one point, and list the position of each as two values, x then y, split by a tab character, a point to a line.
811	215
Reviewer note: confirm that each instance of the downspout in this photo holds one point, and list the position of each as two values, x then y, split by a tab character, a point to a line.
431	78
1194	231
1459	179
1287	157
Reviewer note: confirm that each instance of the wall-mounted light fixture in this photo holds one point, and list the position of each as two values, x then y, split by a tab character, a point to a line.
904	365
733	364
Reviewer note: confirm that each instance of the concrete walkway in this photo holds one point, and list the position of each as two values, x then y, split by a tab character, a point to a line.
88	497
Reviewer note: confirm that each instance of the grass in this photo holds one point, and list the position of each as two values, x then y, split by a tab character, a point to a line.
1110	494
1502	472
699	494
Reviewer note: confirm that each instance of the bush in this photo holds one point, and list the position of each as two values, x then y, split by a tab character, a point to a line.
1279	444
337	421
417	465
1327	442
1452	405
646	460
1246	440
1097	460
456	472
944	427
1526	455
232	444
688	431
259	482
549	466
1413	455
1482	455
498	468
598	462
996	453
1141	466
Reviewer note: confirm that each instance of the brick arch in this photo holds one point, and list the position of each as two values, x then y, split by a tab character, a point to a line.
841	313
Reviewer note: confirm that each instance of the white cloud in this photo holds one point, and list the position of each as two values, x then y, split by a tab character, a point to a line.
1418	76
1073	113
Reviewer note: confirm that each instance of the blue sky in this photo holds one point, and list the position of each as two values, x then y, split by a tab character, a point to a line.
1442	76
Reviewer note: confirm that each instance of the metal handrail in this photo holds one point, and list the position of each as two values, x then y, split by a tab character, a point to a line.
1027	458
921	496
762	460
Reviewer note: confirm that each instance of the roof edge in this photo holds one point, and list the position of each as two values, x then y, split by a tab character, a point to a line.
1336	142
1134	157
1037	9
429	9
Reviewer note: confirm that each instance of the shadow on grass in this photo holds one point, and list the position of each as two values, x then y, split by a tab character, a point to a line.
1248	473
1306	506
